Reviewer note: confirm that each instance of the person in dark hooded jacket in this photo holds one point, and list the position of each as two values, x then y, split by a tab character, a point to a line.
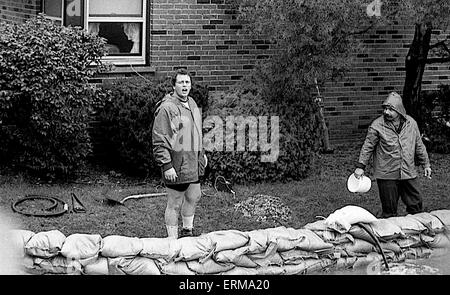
395	143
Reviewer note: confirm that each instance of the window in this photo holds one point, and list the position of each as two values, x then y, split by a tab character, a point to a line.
121	22
53	9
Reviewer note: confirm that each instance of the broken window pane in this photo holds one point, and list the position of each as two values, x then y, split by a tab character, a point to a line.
121	37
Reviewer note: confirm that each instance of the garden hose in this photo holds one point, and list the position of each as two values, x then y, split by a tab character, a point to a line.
371	234
53	204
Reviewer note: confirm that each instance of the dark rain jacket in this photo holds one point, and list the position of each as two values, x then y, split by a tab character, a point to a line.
394	153
177	139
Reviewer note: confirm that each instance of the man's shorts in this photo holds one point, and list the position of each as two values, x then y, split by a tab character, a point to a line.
181	187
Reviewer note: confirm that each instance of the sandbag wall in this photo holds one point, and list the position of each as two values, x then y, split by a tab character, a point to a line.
272	251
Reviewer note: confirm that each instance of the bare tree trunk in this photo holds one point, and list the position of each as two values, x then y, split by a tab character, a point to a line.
415	63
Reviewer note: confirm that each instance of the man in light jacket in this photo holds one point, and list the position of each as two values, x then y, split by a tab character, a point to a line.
177	148
394	142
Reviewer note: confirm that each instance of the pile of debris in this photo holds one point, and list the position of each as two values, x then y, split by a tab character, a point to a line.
264	208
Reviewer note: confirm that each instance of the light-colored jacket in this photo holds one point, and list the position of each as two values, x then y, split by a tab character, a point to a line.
177	139
394	154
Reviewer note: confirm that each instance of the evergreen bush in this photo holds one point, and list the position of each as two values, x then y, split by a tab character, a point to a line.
436	110
45	98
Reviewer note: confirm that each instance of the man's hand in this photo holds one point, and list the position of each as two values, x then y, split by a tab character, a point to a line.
427	172
170	174
358	173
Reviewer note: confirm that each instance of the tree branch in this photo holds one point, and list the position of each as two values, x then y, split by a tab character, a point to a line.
440	44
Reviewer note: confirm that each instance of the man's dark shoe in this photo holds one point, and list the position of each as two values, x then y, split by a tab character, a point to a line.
186	232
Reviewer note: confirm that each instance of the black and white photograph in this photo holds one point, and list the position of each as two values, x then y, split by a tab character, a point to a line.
225	146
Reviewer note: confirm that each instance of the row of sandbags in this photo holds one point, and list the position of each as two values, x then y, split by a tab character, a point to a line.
337	242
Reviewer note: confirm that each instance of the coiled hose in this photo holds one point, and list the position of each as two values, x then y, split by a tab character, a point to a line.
49	210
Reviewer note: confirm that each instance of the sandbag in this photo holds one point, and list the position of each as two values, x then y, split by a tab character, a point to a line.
82	246
386	230
357	248
45	244
56	265
258	241
241	271
342	219
357	232
98	266
443	215
312	242
295	269
115	265
285	238
269	270
334	237
195	248
282	232
228	239
175	268
165	248
115	246
18	238
236	257
209	266
439	240
297	256
26	262
318	225
417	252
433	224
390	246
410	241
408	224
136	265
269	257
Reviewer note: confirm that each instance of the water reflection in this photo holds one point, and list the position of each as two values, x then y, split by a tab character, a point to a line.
437	264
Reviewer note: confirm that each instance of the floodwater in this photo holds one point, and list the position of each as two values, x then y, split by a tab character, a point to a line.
437	264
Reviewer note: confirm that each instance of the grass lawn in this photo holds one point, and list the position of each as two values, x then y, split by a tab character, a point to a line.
323	192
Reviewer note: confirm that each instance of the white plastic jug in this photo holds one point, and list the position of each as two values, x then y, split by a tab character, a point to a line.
361	185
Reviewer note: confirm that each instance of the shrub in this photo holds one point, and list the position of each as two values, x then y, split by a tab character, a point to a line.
436	110
45	98
126	120
265	94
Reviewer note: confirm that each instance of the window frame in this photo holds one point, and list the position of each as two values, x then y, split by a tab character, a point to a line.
116	59
86	19
54	18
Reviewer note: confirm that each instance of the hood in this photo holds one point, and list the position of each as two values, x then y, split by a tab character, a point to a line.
394	100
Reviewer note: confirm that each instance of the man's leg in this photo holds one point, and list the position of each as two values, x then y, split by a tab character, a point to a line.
388	190
174	201
192	196
410	193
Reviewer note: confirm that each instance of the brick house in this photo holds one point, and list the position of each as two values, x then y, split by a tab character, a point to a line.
158	36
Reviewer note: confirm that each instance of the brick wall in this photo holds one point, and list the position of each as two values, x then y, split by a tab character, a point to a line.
206	37
18	10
